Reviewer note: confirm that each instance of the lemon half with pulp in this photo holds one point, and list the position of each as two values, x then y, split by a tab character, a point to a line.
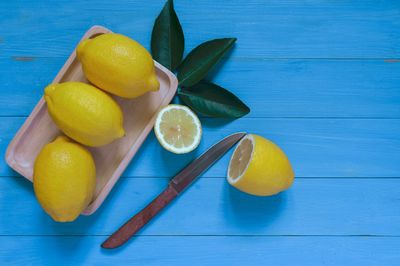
178	129
259	167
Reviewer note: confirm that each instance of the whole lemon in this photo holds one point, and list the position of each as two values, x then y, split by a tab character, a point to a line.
64	179
259	167
84	113
118	64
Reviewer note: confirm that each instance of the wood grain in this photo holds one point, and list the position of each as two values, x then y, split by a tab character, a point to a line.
265	29
271	88
203	250
316	147
140	219
212	207
322	80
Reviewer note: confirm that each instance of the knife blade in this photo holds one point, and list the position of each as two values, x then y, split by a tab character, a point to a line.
177	184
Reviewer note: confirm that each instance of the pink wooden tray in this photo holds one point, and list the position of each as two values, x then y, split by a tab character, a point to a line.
112	159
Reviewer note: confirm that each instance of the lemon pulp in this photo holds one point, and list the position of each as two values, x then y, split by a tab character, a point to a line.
178	129
241	158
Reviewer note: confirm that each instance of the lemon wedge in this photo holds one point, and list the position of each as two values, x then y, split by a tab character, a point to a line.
178	129
259	167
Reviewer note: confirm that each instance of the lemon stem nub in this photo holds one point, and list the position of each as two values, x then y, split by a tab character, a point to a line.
154	83
49	89
80	49
122	133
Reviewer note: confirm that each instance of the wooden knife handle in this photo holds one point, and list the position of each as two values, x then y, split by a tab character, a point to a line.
131	227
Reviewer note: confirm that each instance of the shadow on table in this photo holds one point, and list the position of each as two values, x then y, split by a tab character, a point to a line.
151	155
252	212
174	163
216	122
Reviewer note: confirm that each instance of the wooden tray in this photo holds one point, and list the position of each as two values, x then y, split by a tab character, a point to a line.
112	159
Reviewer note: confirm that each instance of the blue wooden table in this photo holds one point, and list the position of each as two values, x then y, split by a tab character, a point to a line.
322	79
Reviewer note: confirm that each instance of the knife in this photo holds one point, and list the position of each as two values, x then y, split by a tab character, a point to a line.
177	184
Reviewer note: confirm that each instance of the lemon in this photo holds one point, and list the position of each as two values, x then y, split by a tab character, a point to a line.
259	167
177	129
64	179
118	64
84	113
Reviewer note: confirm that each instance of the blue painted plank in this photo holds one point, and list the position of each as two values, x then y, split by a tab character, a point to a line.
269	29
37	36
203	250
212	207
316	147
271	88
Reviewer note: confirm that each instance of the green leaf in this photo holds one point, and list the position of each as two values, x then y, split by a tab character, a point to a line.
201	59
212	100
167	40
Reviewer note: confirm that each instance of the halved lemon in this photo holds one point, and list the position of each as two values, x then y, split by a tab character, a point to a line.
259	167
178	129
